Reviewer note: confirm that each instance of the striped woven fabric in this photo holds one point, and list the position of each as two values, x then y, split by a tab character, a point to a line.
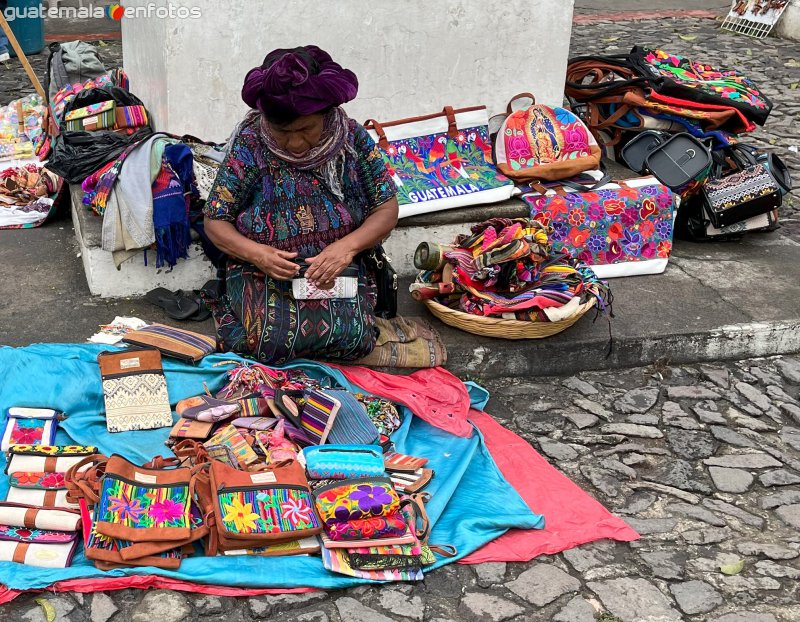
318	414
131	116
175	342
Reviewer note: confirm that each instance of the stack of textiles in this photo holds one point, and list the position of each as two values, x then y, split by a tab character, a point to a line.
371	529
27	195
39	525
506	269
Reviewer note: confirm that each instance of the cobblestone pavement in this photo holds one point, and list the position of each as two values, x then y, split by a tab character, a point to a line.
704	461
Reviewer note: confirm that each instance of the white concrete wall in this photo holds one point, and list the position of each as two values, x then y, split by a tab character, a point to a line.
789	25
411	56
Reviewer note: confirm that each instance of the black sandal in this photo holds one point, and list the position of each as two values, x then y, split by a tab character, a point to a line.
175	304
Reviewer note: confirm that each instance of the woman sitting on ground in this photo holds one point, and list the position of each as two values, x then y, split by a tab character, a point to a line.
300	181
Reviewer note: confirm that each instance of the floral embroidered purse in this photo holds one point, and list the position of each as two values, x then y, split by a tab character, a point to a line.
360	509
144	504
36	474
29	426
255	509
620	229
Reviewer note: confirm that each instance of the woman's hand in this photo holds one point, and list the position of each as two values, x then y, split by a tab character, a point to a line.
276	263
329	264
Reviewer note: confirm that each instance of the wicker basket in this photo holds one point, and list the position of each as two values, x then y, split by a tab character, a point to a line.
501	328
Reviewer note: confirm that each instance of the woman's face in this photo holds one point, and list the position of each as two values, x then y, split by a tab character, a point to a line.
299	136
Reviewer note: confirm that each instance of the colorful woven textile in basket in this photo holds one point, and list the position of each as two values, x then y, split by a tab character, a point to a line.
507	269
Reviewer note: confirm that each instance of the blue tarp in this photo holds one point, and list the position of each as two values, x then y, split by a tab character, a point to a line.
471	504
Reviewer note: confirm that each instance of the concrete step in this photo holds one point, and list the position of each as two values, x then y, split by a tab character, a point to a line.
133	278
715	302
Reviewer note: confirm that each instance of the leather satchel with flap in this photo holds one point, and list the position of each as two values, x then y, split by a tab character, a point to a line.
255	509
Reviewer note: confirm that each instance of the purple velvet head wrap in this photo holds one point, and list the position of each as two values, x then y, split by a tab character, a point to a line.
298	82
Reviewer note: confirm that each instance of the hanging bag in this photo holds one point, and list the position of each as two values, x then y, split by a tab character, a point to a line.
441	161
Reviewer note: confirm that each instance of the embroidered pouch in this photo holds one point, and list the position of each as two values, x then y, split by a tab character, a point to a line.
343	461
176	343
406	535
318	415
32	517
134	390
29	426
90	118
352	425
41	555
206	408
230	437
259	508
144	504
37	480
40	459
346	508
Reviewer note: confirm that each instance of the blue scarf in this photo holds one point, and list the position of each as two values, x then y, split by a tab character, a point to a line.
171	190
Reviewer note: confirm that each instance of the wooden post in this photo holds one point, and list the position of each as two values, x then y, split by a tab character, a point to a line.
23	59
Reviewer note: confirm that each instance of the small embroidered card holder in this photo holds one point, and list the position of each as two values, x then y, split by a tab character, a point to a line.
29	426
135	390
231	438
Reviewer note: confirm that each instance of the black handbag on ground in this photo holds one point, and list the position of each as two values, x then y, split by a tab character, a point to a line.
750	191
379	265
